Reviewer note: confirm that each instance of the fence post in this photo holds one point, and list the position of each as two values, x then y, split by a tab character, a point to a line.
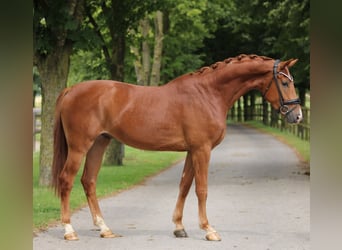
233	112
265	112
274	119
239	110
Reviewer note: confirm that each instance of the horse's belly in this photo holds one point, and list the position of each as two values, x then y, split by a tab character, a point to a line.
151	138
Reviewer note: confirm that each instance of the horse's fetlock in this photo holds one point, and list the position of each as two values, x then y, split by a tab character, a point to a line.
204	225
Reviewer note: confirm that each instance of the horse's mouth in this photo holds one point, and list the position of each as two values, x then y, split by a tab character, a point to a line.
295	117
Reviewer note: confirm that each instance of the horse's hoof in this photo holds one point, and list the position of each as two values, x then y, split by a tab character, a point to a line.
71	236
109	234
180	233
213	236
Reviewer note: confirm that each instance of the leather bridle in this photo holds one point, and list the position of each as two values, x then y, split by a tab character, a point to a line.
284	108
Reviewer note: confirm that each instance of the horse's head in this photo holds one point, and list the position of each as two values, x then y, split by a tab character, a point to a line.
281	93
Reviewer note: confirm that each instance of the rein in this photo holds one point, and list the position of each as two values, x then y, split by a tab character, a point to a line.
284	108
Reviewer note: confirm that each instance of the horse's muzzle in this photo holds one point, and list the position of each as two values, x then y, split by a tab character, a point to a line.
295	115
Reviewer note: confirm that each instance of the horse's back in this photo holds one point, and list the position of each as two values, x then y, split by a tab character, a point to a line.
151	118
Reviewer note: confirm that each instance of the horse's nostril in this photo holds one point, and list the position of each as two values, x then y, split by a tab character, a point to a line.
299	117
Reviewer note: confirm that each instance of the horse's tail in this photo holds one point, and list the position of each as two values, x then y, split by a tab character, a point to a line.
60	147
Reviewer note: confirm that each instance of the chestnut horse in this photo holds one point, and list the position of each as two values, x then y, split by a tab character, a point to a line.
187	114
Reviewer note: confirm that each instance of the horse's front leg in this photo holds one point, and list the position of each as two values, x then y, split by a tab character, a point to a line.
184	186
200	162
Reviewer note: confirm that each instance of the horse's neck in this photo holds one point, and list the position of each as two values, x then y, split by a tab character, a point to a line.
234	89
226	82
235	82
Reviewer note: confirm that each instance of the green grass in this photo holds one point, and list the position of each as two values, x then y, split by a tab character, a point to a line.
138	165
302	147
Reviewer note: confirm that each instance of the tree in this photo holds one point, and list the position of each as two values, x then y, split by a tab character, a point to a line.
111	21
187	25
113	48
55	28
279	29
291	20
146	73
158	48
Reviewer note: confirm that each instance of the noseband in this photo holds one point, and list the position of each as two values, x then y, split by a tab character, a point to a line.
284	108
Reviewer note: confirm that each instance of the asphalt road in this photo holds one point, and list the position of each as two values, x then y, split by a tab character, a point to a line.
258	199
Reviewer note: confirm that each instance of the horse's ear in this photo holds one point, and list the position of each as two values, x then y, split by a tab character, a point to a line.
288	63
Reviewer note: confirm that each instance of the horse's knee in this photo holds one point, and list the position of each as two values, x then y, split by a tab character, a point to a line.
88	185
65	183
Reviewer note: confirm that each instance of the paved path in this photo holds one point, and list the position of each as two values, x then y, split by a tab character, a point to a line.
258	199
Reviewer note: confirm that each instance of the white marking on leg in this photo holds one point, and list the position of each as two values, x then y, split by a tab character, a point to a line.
68	229
101	224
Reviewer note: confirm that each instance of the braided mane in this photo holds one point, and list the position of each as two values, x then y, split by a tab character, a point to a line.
239	58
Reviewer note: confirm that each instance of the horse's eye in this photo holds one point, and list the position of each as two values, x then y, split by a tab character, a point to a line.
285	83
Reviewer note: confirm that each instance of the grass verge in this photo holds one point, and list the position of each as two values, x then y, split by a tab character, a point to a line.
301	147
138	165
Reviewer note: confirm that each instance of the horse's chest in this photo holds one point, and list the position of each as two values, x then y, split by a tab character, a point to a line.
212	133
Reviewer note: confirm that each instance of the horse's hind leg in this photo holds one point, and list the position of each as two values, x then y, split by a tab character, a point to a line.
66	180
91	170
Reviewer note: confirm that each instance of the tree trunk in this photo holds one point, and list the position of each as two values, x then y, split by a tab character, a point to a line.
146	61
232	113
138	66
274	118
158	48
142	65
53	71
142	61
245	107
53	65
114	154
115	151
252	108
239	115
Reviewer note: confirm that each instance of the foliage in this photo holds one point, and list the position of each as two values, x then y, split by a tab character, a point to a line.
53	23
198	33
186	23
279	29
104	25
189	24
203	32
291	18
87	65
